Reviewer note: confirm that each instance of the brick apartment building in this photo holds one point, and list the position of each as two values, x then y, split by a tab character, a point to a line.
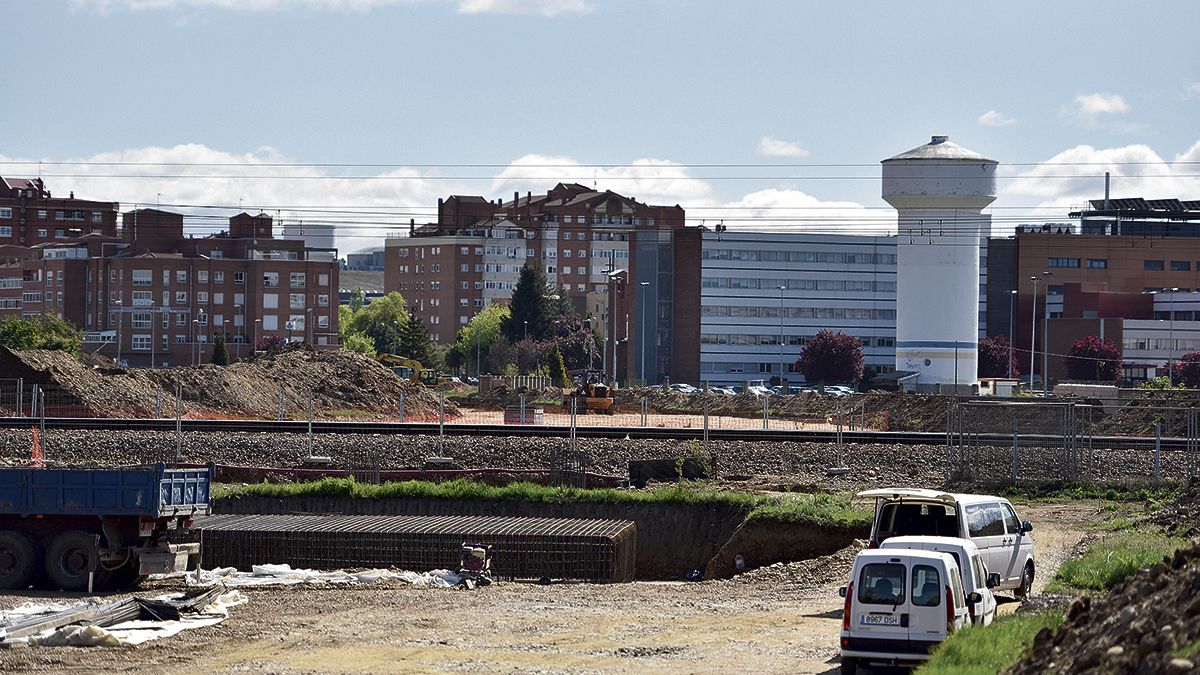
617	259
1133	259
151	296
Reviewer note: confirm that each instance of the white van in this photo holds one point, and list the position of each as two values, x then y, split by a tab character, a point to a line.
975	577
991	522
899	605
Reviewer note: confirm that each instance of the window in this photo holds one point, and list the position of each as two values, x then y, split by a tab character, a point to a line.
926	586
166	274
296	301
202	297
296	279
270	279
270	322
41	233
141	320
1062	262
218	277
1181	265
270	301
566	269
143	298
181	276
1152	264
239	298
181	319
464	285
881	584
239	277
6	231
216	254
181	297
322	279
435	267
141	343
202	276
5	213
322	300
142	278
323	321
984	520
464	268
97	217
218	298
1097	263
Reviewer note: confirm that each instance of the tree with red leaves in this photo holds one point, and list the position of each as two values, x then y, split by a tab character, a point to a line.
831	357
995	358
1188	370
1095	360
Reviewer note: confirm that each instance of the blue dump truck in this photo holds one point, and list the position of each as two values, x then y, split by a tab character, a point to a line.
64	528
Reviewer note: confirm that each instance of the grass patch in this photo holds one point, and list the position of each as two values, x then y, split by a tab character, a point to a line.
1110	560
1052	491
984	651
820	509
1189	650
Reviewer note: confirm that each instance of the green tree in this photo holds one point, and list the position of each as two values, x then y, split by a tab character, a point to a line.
472	348
45	332
382	321
220	354
558	370
357	300
359	342
414	343
529	312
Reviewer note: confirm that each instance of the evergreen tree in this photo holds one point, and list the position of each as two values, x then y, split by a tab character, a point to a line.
413	341
528	309
558	370
220	354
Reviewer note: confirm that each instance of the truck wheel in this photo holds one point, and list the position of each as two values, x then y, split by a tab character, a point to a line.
849	665
1026	587
67	562
18	560
125	576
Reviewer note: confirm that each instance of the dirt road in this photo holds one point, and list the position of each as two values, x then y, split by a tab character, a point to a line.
773	620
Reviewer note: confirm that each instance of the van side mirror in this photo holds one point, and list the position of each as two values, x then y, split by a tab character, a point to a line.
993	580
974	597
1026	527
842	592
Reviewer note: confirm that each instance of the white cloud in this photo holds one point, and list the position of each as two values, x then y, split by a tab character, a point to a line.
994	118
770	146
1193	91
543	7
652	181
1070	178
787	210
1100	104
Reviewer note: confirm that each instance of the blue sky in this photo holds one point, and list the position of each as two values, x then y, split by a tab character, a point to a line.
545	89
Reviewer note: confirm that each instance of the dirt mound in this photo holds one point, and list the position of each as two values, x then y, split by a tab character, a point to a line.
338	380
1139	416
1182	516
1136	628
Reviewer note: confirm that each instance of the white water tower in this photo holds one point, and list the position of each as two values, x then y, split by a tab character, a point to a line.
939	190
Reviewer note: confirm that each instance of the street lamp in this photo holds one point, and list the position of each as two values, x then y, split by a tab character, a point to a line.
641	306
1046	337
1012	296
152	322
120	316
781	369
1171	341
238	310
526	329
1033	331
254	338
195	331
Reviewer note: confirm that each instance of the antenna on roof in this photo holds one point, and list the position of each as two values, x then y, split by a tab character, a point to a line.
593	179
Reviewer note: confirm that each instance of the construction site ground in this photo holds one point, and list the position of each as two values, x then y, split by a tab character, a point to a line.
782	618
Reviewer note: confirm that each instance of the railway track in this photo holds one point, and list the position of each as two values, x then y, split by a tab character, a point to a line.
559	431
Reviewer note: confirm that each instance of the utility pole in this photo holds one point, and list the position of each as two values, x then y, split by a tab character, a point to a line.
1046	338
1033	331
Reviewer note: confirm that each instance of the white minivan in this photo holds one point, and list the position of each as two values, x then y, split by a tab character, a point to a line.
975	577
899	604
991	522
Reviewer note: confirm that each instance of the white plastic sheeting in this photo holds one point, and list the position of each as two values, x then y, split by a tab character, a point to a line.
285	575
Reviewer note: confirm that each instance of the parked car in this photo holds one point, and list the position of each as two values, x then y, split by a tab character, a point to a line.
975	577
899	604
837	390
991	522
726	391
758	390
682	388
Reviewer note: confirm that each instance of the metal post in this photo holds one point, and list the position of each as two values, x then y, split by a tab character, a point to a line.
41	399
1012	295
1171	340
645	412
1192	441
1016	441
441	422
522	408
158	399
20	397
783	389
33	400
641	286
706	424
1157	453
766	412
178	423
401	407
310	418
1033	332
574	445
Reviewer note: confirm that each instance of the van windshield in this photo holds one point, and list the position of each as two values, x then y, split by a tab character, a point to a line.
915	518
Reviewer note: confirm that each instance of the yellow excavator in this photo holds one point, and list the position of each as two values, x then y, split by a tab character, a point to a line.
410	369
592	394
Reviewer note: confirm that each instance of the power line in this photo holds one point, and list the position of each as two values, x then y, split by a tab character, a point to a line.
486	165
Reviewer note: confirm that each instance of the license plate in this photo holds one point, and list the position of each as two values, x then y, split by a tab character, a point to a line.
880	620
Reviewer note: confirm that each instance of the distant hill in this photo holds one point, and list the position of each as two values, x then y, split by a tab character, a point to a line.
348	280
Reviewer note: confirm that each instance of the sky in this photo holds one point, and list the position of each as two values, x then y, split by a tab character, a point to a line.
764	115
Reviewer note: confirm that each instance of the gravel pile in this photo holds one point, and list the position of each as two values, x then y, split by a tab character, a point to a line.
829	569
1182	516
1136	628
793	465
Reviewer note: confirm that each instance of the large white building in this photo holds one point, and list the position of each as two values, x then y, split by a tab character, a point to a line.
750	327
